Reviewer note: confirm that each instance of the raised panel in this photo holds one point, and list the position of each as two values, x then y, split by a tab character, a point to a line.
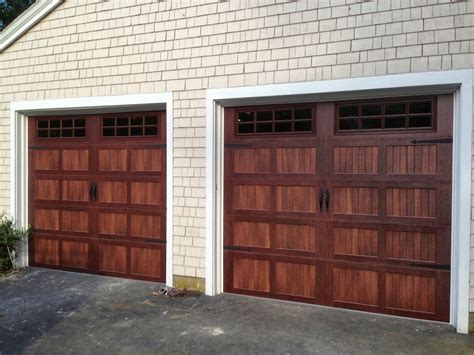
356	160
420	203
46	219
112	192
113	160
46	189
295	279
46	159
75	254
251	234
296	160
75	190
76	160
113	258
146	193
252	160
251	274
146	160
415	246
146	262
296	198
356	200
252	197
75	221
410	159
113	223
410	292
145	226
46	251
295	237
355	286
355	241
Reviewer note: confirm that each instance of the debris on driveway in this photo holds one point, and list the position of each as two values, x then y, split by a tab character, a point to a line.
176	292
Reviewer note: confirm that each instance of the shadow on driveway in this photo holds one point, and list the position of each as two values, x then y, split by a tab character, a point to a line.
47	311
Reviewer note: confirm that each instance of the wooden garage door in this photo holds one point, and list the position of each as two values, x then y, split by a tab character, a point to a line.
342	204
97	187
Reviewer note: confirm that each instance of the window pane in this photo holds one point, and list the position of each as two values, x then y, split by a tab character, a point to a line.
264	128
137	131
151	120
42	124
123	121
246	117
283	127
371	123
396	109
107	122
348	124
420	121
246	128
348	111
395	122
303	126
55	133
43	134
151	131
420	107
264	116
122	132
304	113
55	123
67	123
106	132
67	132
79	123
136	121
79	133
372	110
283	115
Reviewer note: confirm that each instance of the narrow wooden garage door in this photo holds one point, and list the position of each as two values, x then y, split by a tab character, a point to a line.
341	204
97	188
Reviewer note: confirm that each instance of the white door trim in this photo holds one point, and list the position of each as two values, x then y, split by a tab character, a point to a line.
459	82
19	112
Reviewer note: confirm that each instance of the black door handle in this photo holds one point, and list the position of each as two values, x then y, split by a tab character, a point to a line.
321	197
327	199
94	191
91	191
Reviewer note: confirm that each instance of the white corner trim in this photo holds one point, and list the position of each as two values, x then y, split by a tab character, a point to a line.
458	82
26	21
19	112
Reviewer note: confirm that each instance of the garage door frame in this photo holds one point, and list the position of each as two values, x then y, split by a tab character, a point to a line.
457	82
21	110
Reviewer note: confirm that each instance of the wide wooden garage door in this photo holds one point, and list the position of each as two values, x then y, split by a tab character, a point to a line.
344	204
97	187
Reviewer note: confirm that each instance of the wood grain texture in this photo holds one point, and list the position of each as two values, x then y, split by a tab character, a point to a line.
113	223
46	189
113	258
75	254
296	198
113	160
75	221
146	193
146	160
251	274
46	219
75	160
112	192
356	200
356	286
295	279
415	202
410	159
414	246
296	160
252	160
146	262
145	226
356	160
410	292
355	241
46	251
252	197
75	190
46	160
252	234
295	237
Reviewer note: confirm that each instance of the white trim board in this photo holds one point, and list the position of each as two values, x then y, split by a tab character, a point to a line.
23	23
458	82
19	112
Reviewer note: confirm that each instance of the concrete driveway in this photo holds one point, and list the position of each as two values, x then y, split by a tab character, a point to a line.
55	312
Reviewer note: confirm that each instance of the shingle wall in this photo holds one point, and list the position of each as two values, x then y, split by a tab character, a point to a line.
96	47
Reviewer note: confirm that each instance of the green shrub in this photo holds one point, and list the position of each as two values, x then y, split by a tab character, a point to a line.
9	238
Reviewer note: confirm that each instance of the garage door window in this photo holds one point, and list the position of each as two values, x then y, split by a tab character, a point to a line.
61	128
130	126
284	121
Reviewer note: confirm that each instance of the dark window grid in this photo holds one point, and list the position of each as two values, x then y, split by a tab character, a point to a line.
77	131
254	123
129	127
273	123
406	115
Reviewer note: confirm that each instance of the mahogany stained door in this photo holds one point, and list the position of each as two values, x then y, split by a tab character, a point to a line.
97	195
354	212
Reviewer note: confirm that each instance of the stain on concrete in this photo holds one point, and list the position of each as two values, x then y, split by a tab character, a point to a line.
57	312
